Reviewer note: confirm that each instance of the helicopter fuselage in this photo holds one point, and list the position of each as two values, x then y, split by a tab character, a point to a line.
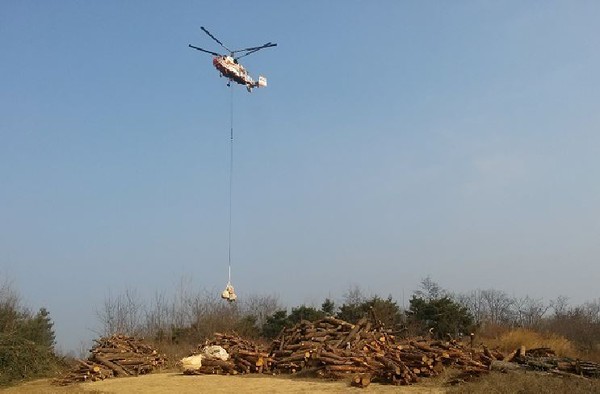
230	68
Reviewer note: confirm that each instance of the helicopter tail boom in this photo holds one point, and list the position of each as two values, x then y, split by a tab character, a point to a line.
262	82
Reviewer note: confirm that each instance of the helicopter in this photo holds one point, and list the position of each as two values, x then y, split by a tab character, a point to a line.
229	66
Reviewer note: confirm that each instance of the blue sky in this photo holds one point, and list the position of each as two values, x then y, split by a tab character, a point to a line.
395	140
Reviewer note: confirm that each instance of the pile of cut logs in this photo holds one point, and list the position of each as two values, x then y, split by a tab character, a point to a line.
366	352
244	357
537	359
545	359
333	348
118	356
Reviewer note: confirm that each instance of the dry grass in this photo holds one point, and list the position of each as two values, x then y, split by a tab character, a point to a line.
510	340
168	383
528	383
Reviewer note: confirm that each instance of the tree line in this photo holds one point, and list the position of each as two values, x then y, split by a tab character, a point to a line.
187	317
190	317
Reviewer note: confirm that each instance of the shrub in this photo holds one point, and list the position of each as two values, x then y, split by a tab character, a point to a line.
385	310
304	312
280	319
21	358
26	340
274	324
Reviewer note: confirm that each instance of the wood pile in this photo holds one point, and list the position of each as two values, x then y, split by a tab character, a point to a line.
334	348
244	357
366	352
545	359
115	356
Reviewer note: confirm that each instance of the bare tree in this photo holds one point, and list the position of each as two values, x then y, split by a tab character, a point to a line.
158	317
211	314
489	306
592	309
529	311
182	304
9	307
122	314
498	306
260	307
560	305
474	304
354	295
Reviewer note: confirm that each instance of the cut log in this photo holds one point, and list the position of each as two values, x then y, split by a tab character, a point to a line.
361	380
353	332
119	371
509	357
345	368
488	354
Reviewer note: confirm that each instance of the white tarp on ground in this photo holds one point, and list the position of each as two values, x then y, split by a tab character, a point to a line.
215	352
191	363
194	362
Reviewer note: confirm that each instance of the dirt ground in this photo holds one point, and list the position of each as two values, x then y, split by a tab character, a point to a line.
181	384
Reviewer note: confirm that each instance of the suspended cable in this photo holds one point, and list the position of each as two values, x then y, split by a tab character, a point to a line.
229	292
230	181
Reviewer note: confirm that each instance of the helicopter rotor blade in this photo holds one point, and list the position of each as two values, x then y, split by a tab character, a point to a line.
204	50
247	53
254	49
214	38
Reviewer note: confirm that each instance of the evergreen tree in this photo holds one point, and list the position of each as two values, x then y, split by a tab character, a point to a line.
275	323
328	307
304	312
39	329
431	310
385	310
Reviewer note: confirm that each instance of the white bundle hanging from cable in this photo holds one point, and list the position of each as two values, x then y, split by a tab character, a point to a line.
229	293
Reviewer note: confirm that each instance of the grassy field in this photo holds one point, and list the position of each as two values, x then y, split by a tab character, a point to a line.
494	383
182	384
